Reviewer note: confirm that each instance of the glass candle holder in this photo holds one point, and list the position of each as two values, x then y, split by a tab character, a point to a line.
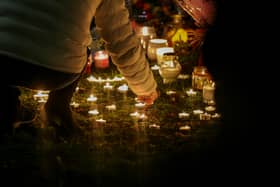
153	45
200	74
145	33
101	59
161	51
208	91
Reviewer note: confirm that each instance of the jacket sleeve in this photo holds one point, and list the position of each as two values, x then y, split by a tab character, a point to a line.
113	25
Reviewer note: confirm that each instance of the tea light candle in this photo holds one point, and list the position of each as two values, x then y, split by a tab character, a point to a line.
154	126
205	116
41	94
135	115
140	105
123	88
191	92
100	120
111	107
155	67
160	51
74	104
210	108
91	79
185	128
92	98
107	86
183	115
93	112
198	111
101	59
216	115
171	92
143	116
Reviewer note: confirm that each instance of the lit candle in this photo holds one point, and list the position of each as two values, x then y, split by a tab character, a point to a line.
155	67
185	128
210	108
143	116
111	107
92	98
183	115
100	120
154	126
41	94
190	92
216	115
140	105
198	111
208	92
101	59
93	112
107	86
74	104
171	92
205	116
123	88
135	115
91	79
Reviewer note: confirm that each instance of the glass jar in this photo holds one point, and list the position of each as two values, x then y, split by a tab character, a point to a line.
208	91
145	33
152	47
200	74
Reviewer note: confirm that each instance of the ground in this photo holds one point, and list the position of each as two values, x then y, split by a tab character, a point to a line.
123	151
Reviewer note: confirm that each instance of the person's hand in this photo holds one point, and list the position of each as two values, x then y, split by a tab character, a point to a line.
148	99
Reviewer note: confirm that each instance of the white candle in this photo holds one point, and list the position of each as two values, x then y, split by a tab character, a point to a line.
111	107
216	115
191	92
185	128
107	86
198	111
155	67
154	126
183	115
92	98
93	112
208	92
123	88
135	115
210	108
41	94
205	116
171	92
140	105
100	120
74	104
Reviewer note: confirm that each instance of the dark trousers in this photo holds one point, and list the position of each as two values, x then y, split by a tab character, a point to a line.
19	73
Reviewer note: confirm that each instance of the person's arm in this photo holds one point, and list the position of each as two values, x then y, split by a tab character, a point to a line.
113	25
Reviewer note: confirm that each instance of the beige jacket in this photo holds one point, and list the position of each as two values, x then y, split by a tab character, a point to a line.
55	34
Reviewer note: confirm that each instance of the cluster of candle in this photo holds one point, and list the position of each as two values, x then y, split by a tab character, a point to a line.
41	96
91	78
